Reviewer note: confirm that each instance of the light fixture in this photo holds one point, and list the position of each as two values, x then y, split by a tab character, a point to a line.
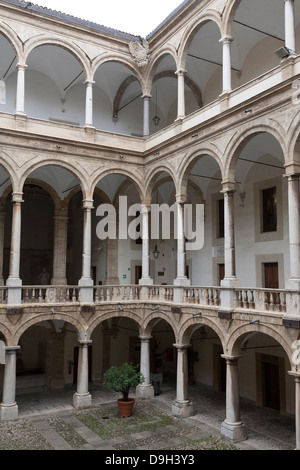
283	52
120	308
155	308
254	321
156	252
156	119
197	314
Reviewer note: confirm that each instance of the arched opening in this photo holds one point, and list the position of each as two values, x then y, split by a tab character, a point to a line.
8	76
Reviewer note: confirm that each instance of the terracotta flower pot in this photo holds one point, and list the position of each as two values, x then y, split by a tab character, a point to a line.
125	407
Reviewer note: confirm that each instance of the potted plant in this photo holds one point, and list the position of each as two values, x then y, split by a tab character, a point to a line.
121	379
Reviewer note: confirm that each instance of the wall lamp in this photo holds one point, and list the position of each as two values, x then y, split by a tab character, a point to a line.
120	308
156	308
53	311
283	52
197	314
254	321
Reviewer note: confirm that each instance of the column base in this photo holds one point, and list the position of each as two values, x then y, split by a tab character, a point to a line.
144	391
233	432
14	294
8	412
86	290
82	400
182	409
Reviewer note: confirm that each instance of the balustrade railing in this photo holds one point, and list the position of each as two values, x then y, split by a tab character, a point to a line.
273	300
50	294
202	295
259	299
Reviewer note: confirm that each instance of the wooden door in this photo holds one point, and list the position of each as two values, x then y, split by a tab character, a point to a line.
138	274
271	276
271	388
221	272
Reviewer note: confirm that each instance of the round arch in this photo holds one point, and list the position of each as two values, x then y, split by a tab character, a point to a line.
151	180
199	20
105	58
235	147
118	171
233	346
77	53
66	317
37	163
116	313
192	324
12	39
153	318
189	161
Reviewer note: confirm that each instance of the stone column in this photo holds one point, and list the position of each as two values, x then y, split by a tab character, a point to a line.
146	279
232	428
145	389
182	407
2	226
290	38
146	120
60	248
14	282
9	407
82	397
230	281
20	98
181	97
297	407
86	282
226	41
294	225
89	103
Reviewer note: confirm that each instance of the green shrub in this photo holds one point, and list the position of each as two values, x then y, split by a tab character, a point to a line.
122	378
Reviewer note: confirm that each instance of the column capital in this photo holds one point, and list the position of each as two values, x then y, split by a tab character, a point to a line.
145	338
182	347
228	187
180	198
181	72
146	96
88	204
231	359
17	197
226	39
12	349
85	342
21	66
89	82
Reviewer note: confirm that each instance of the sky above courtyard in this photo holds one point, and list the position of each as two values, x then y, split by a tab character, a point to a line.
137	17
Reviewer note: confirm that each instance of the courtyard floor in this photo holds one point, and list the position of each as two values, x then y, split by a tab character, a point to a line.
48	421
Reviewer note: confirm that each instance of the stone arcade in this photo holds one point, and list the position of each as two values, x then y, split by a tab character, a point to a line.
205	110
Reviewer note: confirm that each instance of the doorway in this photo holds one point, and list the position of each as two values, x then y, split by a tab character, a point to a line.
271	279
138	274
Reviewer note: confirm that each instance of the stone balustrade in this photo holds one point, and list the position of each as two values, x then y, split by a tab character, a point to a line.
258	299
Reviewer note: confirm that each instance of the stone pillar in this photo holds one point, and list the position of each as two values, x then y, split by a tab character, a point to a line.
2	226
14	282
290	38
89	103
181	97
82	397
9	407
182	407
60	248
297	407
230	281
20	98
146	120
86	282
146	279
226	41
232	428
294	225
145	389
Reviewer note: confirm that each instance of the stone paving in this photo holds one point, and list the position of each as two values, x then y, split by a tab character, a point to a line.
267	430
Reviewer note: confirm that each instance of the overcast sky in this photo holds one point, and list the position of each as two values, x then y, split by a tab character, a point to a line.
137	17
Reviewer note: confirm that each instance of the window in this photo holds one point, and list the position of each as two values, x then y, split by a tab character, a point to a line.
269	210
220	226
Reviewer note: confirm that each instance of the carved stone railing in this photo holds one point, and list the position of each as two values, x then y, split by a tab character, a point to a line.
50	294
202	295
273	300
259	299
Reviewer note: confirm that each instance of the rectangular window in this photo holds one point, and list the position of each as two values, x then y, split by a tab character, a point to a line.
269	210
220	226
